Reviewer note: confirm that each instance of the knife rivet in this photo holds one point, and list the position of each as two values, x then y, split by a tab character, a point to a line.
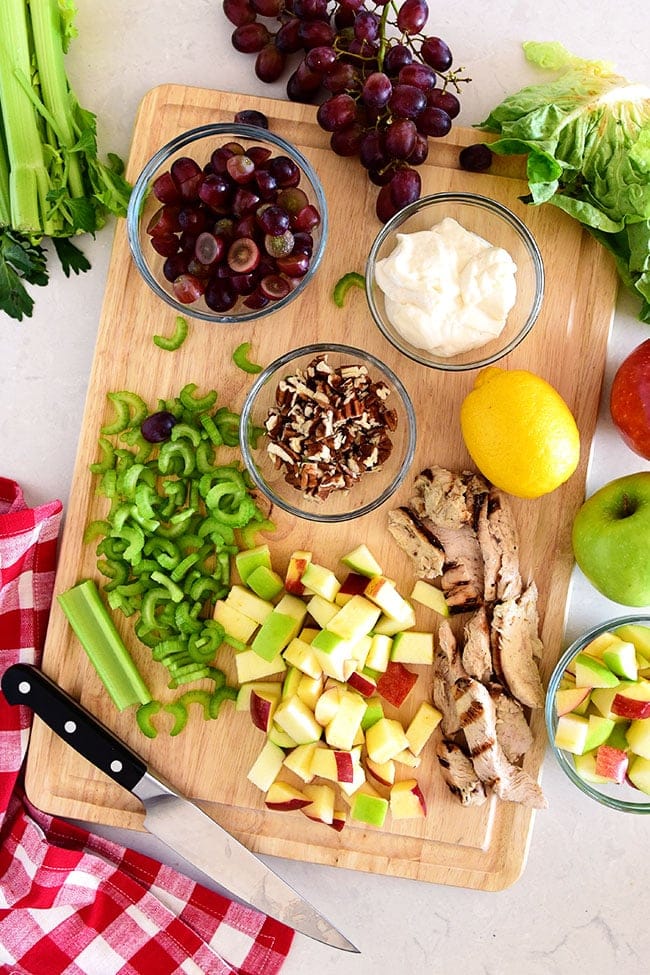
116	766
24	687
70	727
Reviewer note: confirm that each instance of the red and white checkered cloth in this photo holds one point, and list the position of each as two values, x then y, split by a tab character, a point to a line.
72	903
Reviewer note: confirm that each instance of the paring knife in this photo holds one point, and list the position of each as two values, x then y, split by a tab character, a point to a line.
175	820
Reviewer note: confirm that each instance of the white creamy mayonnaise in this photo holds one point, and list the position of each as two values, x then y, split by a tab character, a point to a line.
447	290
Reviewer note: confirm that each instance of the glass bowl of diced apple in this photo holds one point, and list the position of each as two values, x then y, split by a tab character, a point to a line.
598	713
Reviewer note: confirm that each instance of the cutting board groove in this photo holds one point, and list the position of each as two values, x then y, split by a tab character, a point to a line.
483	848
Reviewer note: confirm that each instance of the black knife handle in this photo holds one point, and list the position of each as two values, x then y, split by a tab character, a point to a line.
26	684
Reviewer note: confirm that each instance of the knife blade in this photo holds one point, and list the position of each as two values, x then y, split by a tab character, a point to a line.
173	818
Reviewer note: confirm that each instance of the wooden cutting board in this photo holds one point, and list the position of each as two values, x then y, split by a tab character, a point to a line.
485	847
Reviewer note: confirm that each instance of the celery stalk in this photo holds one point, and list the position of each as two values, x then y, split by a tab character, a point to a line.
99	637
49	48
28	178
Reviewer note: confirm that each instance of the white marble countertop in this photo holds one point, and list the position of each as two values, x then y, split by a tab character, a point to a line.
581	903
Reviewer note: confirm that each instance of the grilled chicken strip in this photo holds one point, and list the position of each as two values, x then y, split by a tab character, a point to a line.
477	716
517	646
414	538
451	500
477	653
499	542
513	733
447	669
459	774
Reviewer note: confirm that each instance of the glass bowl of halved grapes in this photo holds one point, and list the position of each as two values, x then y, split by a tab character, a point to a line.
227	222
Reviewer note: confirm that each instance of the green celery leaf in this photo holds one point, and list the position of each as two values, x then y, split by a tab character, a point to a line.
72	259
20	260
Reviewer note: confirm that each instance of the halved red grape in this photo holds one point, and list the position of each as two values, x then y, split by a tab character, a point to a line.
257	300
187	176
188	288
279	246
244	201
209	248
259	154
273	219
245	284
164	221
274	286
164	244
306	219
193	219
243	255
216	191
220	295
294	265
165	189
174	266
285	170
240	168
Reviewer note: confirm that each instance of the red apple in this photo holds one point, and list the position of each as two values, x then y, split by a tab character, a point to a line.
630	400
362	683
611	763
396	684
630	707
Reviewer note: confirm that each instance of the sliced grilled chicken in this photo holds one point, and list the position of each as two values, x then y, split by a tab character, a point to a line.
414	538
517	646
477	716
513	732
459	774
447	668
451	500
477	654
499	542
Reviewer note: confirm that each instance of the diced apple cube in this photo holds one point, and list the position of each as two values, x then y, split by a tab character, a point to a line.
243	702
591	672
571	733
339	817
300	654
334	764
327	705
611	763
321	806
248	603
585	766
639	773
321	581
638	737
310	689
291	681
249	559
353	585
283	797
598	731
388	626
385	739
374	711
321	610
369	807
294	717
408	758
358	779
299	759
275	633
280	737
341	731
236	624
362	683
407	801
379	652
355	619
569	699
251	667
430	596
298	562
413	647
361	560
396	684
265	582
382	772
424	722
383	592
266	767
263	705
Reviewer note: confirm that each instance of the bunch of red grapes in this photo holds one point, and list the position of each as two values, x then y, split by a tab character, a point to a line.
383	86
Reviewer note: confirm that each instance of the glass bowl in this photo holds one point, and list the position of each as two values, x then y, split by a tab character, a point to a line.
624	797
373	486
199	144
498	226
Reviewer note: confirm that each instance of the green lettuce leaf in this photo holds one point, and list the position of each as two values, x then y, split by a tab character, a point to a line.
586	136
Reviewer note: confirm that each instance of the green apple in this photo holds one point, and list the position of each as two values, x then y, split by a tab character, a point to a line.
611	537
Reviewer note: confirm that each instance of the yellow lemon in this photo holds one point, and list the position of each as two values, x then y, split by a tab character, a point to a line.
519	432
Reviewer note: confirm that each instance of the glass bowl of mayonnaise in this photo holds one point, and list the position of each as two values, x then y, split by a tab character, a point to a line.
455	281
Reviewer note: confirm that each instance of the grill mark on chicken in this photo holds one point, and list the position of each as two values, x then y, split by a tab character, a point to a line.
477	715
459	774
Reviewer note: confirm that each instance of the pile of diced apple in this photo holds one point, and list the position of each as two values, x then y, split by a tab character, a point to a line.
603	708
317	660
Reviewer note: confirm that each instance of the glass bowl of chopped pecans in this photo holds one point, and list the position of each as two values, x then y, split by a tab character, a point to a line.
328	432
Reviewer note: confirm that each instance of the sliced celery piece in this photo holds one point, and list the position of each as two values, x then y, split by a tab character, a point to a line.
99	637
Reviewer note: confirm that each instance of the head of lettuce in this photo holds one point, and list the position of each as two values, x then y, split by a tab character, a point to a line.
587	140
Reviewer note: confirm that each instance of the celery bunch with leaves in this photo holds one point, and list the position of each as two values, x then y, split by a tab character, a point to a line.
53	186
